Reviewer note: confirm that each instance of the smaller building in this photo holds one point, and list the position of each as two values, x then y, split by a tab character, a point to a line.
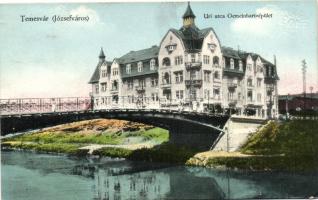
296	103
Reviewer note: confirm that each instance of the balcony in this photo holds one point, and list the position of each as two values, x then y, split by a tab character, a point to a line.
114	90
232	85
197	82
193	65
140	88
232	102
166	85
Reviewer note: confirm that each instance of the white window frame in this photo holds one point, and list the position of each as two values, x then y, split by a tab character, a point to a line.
140	67
128	68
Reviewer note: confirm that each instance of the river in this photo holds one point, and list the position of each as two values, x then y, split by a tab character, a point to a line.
32	176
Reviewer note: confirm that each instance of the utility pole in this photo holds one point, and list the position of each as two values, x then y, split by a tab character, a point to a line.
304	70
311	88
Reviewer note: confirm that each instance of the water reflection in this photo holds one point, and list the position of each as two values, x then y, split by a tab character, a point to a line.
120	179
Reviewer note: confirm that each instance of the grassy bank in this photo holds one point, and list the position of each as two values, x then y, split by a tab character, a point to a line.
68	138
70	149
166	152
291	145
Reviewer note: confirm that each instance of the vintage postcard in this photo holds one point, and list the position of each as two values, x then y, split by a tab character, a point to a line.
159	100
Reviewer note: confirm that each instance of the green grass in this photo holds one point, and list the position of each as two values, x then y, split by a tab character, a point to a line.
292	138
166	152
291	145
113	152
157	134
162	153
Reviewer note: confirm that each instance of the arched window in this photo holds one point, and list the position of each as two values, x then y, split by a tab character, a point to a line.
166	61
166	78
215	60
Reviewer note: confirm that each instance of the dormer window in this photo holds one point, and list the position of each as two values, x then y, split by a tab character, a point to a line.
152	64
139	66
212	47
240	65
232	63
128	69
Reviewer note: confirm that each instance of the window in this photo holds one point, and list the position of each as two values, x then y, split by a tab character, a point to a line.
232	63
259	69
104	86
154	97
96	88
179	94
166	78
259	82
239	96
206	59
249	67
212	47
140	67
207	76
206	94
216	75
128	69
193	94
154	82
216	93
215	60
115	71
241	65
179	77
192	57
259	97
142	82
115	85
166	61
250	82
250	95
152	64
230	95
104	73
171	47
193	75
178	60
130	84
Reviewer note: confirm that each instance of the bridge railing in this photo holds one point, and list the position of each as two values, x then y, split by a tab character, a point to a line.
44	105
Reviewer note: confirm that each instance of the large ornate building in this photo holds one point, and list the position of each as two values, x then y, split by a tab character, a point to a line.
190	71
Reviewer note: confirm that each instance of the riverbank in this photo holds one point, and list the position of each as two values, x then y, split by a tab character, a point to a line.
285	146
290	146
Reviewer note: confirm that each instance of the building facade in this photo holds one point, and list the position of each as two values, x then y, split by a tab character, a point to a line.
189	71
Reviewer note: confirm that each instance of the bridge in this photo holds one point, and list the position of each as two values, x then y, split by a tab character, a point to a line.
192	128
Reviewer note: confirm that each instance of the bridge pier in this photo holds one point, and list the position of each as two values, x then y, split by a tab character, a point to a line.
191	135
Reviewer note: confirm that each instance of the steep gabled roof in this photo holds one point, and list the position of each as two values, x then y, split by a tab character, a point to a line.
144	54
192	37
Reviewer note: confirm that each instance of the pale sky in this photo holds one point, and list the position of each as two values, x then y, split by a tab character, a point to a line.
47	59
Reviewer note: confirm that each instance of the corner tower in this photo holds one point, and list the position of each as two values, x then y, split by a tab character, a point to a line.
101	55
188	17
